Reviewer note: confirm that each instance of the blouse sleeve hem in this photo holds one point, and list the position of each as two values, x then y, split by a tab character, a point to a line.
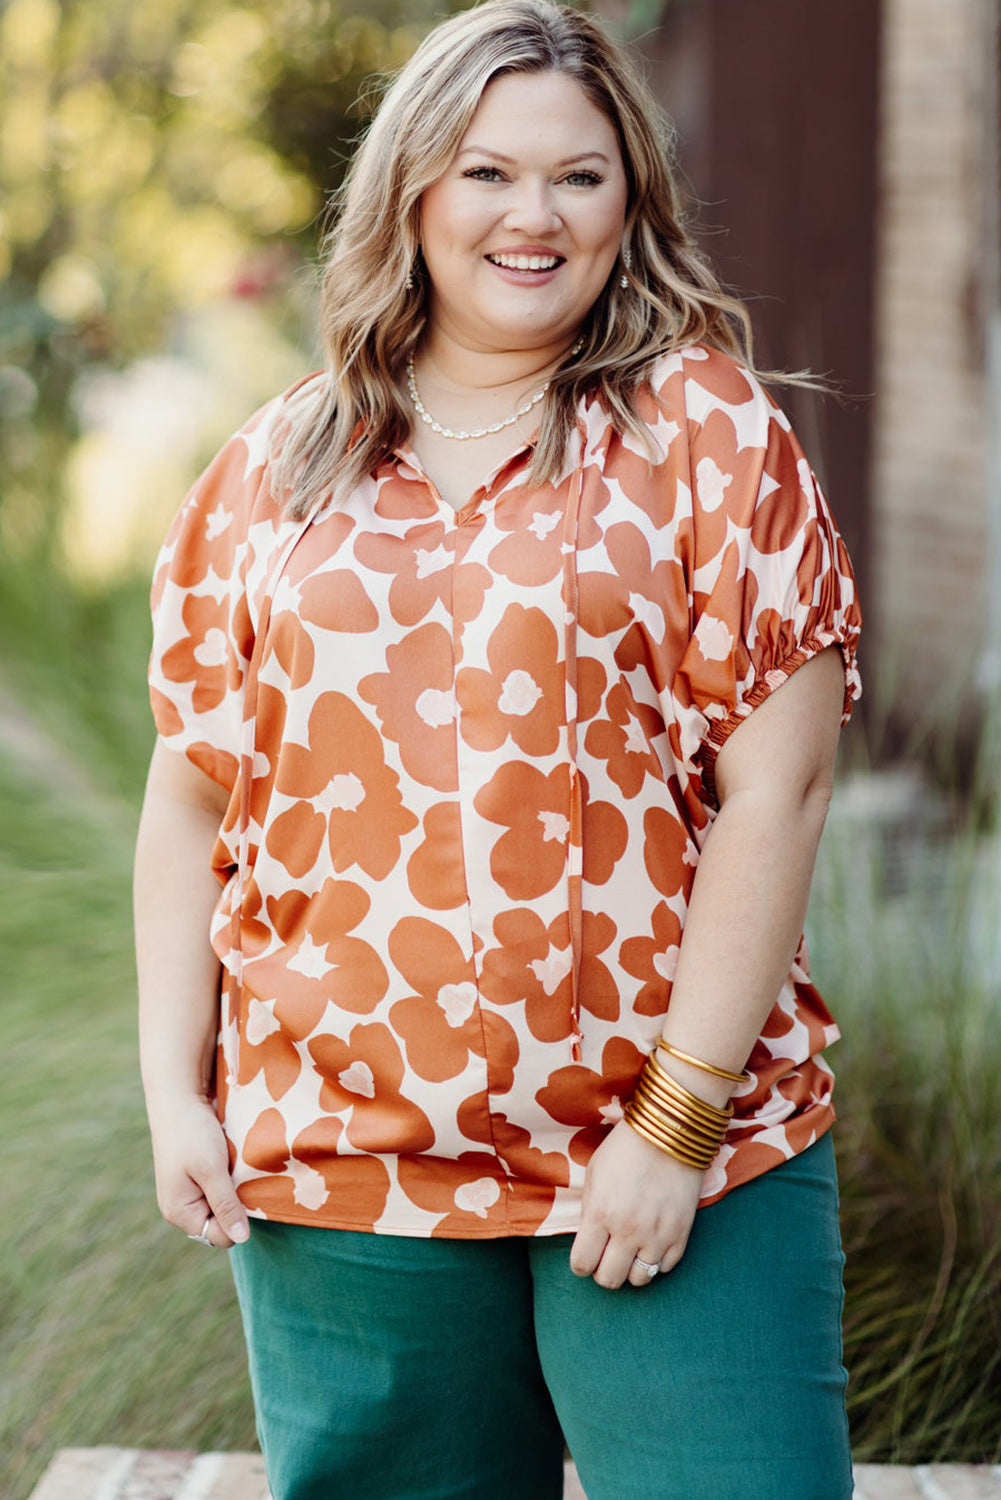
720	729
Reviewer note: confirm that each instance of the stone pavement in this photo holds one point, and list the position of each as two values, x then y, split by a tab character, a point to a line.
145	1474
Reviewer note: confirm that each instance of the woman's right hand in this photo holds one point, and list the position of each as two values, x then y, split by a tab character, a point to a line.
191	1161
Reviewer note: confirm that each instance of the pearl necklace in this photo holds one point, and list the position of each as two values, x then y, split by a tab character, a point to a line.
478	432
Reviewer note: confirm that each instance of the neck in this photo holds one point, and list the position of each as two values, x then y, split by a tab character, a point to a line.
464	367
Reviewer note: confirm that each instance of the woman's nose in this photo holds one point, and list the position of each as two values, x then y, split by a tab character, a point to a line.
533	210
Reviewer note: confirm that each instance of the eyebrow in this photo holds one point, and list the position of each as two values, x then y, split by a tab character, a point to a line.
499	155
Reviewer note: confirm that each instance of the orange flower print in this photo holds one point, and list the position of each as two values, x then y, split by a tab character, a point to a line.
782	645
265	1147
264	1044
415	702
353	796
525	1162
606	834
623	740
599	994
336	600
288	1187
469	1194
329	966
784	503
654	960
532	963
474	1195
271	712
530	857
204	657
421	564
435	871
166	715
532	552
635	596
500	1041
576	1095
301	1181
439	1024
363	1075
667	849
317	1169
522	695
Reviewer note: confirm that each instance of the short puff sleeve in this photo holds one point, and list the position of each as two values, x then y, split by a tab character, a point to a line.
203	583
770	581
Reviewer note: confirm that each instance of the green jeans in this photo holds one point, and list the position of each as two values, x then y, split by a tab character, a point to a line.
387	1368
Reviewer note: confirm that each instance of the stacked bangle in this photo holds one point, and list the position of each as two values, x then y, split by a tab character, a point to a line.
696	1062
674	1119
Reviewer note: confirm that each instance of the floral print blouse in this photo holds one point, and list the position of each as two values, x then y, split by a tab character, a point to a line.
470	757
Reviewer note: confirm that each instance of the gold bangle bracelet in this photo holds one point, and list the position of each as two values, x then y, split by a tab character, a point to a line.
680	1104
660	1146
695	1127
701	1155
699	1161
680	1136
664	1080
676	1125
659	1071
696	1062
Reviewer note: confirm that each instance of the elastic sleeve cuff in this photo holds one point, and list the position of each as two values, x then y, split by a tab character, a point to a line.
719	730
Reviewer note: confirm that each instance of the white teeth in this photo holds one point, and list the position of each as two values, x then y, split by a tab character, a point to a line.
525	262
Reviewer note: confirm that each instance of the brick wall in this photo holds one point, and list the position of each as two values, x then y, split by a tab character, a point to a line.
931	557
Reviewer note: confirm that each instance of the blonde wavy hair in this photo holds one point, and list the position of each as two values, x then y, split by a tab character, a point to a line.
373	306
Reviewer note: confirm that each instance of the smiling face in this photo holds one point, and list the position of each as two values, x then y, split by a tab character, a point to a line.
521	233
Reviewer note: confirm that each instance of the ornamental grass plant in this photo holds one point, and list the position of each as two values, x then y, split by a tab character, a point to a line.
905	940
113	1329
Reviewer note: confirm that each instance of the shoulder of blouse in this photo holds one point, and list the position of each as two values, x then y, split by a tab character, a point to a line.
689	384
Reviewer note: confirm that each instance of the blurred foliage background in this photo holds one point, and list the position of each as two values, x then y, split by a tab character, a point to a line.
163	169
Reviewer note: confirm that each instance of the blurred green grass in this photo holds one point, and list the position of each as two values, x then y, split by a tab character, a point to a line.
114	1329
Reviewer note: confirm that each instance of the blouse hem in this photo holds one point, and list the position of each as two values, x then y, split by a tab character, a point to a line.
819	1117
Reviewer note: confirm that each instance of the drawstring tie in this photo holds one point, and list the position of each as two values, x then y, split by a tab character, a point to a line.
575	850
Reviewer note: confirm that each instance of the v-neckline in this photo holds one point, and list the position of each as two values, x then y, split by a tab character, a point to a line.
408	455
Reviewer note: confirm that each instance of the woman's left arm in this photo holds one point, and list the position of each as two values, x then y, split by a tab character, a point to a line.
745	917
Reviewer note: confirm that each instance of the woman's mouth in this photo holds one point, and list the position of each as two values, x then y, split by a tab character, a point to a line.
535	265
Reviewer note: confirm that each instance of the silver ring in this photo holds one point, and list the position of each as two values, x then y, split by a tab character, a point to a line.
203	1238
648	1270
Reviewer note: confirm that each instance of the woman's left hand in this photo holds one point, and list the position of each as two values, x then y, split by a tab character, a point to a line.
638	1201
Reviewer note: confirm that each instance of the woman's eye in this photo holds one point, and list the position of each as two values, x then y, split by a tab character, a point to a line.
482	174
582	179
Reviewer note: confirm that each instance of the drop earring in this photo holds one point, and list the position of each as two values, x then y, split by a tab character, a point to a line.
627	260
412	271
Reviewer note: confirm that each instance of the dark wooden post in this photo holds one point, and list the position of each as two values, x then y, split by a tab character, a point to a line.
776	107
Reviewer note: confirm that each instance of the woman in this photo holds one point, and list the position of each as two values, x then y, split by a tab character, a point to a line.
498	673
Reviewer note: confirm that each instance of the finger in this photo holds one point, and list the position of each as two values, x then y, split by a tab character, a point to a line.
646	1265
226	1209
672	1254
586	1250
613	1268
203	1233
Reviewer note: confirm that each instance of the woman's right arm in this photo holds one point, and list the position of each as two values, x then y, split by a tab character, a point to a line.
175	893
